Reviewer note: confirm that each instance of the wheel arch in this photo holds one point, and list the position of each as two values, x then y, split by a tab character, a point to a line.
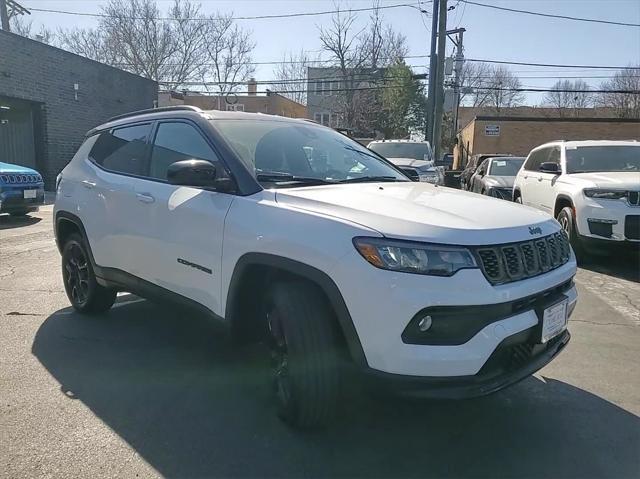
256	271
66	224
562	201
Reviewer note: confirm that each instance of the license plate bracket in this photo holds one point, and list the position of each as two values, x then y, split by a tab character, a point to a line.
553	319
30	194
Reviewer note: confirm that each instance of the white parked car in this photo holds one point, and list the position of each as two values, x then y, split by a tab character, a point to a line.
495	177
223	212
414	158
591	187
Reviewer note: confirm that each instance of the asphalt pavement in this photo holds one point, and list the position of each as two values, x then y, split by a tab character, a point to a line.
147	391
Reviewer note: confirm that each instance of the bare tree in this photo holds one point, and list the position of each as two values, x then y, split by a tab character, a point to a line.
627	104
485	85
25	29
291	76
180	46
474	75
566	100
226	55
359	57
91	43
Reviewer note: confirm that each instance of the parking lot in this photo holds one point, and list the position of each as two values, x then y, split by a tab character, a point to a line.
146	391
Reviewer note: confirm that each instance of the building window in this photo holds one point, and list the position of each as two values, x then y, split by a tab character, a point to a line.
325	118
236	107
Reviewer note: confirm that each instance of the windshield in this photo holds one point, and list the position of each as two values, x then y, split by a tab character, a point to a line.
286	152
415	151
586	159
508	167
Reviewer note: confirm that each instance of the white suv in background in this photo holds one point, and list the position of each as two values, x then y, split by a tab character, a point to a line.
591	187
290	233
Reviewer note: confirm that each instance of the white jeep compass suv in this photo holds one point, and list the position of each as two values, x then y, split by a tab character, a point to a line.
290	232
591	187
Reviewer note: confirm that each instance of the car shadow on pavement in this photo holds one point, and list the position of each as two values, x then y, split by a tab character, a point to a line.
174	389
9	222
623	266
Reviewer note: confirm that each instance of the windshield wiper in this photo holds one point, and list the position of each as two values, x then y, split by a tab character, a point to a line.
366	179
277	177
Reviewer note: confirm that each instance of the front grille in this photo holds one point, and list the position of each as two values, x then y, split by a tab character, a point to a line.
16	179
633	197
512	262
632	227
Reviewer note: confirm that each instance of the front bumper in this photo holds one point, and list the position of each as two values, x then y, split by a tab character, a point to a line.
383	303
613	221
12	198
515	359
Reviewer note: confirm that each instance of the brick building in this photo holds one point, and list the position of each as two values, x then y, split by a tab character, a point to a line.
518	135
254	102
49	99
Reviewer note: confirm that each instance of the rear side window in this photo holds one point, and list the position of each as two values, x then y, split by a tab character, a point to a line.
122	150
175	142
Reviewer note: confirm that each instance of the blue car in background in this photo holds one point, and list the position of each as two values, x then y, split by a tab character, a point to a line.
21	189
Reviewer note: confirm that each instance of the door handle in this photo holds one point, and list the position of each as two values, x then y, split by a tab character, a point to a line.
539	178
145	197
88	184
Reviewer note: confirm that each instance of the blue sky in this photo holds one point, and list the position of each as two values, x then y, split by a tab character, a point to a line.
491	34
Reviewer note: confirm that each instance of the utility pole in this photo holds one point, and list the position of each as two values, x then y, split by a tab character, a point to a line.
4	13
439	97
433	65
458	74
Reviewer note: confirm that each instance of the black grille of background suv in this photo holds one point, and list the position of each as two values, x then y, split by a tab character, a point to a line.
515	261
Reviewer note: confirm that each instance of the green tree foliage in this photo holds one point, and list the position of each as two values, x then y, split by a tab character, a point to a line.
403	103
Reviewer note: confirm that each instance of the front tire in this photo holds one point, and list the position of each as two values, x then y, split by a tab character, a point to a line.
305	365
83	291
565	218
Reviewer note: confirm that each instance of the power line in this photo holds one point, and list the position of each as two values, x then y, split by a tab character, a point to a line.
256	17
386	87
479	60
553	65
550	15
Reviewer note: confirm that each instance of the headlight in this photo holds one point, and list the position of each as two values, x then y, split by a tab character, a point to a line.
605	194
413	257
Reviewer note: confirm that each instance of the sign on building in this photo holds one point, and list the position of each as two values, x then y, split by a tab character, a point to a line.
492	130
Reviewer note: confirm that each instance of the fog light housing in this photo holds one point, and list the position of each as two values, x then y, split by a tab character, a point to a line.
425	323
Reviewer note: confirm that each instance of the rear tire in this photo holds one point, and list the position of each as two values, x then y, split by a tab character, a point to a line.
565	218
83	291
305	365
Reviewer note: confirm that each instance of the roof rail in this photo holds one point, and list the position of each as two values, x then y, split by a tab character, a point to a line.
155	110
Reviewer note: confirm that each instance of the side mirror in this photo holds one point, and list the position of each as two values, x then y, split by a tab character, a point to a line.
550	167
199	174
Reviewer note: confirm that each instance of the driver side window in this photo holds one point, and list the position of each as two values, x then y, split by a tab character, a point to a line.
177	141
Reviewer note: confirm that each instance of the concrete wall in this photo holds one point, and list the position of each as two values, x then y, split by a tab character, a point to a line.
519	135
45	76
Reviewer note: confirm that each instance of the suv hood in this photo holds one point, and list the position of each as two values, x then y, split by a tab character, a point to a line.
499	181
11	168
419	164
617	179
423	212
